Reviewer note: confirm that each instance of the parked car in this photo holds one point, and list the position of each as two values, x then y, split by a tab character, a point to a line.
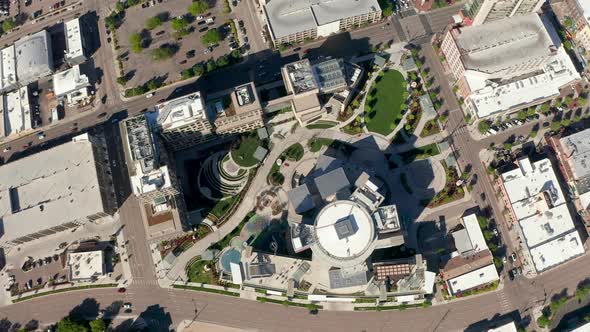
127	305
121	290
513	257
200	17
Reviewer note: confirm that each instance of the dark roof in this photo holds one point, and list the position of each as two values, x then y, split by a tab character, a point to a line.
332	182
261	270
339	280
460	265
300	198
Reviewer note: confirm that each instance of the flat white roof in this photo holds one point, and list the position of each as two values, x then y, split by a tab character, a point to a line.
474	231
286	17
359	237
157	179
557	251
74	46
542	213
8	68
16	111
473	279
508	327
69	81
546	225
181	111
583	328
50	188
488	97
34	57
526	184
576	148
86	265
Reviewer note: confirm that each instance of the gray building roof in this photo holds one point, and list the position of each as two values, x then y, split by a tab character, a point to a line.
427	106
300	198
260	153
340	280
330	75
34	57
577	150
287	17
332	182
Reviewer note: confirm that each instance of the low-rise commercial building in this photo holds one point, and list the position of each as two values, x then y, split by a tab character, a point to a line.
72	86
86	265
53	191
507	65
296	21
472	265
183	121
76	50
8	78
538	207
15	112
34	57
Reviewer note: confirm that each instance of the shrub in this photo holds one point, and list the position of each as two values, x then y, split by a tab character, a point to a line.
8	24
211	37
222	61
162	53
198	69
135	41
179	24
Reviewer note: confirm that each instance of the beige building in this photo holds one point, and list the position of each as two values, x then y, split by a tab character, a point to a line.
239	113
508	64
296	21
485	11
183	121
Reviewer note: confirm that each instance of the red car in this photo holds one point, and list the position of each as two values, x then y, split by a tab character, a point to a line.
121	290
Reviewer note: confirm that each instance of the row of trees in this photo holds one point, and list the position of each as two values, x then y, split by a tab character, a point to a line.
211	65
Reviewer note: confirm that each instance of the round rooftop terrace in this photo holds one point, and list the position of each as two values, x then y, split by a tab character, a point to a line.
344	233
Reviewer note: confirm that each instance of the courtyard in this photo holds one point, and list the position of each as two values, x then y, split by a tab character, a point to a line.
383	106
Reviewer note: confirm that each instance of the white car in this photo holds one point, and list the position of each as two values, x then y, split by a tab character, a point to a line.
200	17
127	305
41	136
6	149
149	95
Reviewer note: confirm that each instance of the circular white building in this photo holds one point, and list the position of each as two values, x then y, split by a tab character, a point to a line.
344	234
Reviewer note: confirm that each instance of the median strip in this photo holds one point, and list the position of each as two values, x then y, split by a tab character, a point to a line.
208	290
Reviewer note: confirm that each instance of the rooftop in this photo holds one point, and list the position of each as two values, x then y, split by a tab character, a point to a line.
71	83
181	111
577	150
543	216
64	189
300	198
470	239
331	183
8	68
344	230
74	46
34	57
16	111
287	17
508	327
300	76
488	48
86	265
330	75
460	265
475	278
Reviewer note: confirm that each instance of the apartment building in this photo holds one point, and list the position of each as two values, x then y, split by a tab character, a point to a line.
183	121
238	111
508	64
485	11
574	16
295	21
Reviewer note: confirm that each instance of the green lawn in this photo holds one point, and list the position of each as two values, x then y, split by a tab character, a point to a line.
316	143
243	155
382	106
321	125
197	273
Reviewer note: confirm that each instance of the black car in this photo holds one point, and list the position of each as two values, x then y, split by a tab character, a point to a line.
511	274
203	29
191	54
37	13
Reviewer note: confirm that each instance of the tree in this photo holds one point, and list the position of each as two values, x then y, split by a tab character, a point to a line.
135	41
521	115
222	61
567	45
488	235
119	7
555	125
162	53
483	222
565	122
8	24
198	7
198	69
533	134
531	111
432	95
507	146
483	126
153	22
211	66
545	108
498	262
186	74
179	24
543	321
568	100
405	95
98	325
419	64
68	325
122	80
211	37
582	101
235	54
153	85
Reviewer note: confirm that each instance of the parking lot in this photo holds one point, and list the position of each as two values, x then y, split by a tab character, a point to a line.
39	271
188	50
